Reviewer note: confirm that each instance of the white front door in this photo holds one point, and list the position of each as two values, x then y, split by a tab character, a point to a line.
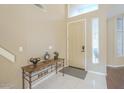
76	44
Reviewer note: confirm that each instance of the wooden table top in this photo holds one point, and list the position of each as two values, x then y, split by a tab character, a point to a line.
40	65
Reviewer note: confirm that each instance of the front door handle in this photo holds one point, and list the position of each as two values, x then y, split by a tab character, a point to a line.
83	48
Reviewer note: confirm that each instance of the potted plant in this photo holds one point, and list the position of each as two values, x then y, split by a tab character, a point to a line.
56	55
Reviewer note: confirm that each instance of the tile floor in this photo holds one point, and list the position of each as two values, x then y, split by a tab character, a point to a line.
57	81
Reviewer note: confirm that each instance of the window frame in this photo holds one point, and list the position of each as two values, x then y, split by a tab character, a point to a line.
98	20
68	6
115	35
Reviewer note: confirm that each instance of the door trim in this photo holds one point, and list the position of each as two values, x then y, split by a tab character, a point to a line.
83	20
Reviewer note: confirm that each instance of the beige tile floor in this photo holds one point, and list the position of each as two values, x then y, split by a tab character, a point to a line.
57	81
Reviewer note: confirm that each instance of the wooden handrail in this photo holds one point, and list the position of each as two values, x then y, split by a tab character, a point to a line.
5	52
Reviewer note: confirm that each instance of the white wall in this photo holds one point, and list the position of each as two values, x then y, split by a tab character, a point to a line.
112	13
114	10
113	59
28	26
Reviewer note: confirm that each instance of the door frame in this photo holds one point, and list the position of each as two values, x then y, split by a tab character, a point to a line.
85	22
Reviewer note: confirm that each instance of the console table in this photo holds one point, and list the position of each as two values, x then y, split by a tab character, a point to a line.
31	73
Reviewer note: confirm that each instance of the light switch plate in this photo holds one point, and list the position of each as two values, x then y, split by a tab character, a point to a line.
20	49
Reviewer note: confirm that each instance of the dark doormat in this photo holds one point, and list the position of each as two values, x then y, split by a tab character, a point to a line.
79	73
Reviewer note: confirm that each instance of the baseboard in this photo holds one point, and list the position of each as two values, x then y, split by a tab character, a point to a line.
98	73
115	66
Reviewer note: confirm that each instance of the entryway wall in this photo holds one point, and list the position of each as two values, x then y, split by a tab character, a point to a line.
101	14
112	14
34	30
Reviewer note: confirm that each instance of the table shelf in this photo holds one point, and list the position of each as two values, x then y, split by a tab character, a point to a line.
31	73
